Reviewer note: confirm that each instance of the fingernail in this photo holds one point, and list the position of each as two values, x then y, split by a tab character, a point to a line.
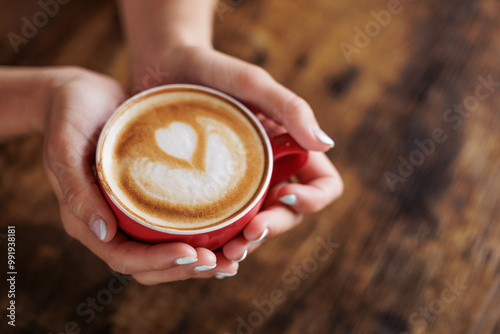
99	228
290	199
185	260
224	275
263	235
244	256
324	138
204	268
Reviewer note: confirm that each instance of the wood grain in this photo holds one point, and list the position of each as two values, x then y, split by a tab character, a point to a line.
423	257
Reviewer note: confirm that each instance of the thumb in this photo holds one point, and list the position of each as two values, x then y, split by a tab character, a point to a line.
256	87
83	197
69	156
79	109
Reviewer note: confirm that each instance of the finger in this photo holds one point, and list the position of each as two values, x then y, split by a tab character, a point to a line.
225	268
321	185
239	248
81	194
109	228
206	259
131	256
273	129
128	256
236	249
252	84
69	153
272	221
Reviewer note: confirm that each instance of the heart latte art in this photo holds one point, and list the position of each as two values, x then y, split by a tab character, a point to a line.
183	159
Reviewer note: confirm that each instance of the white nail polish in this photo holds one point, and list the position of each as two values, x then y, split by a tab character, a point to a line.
99	228
290	199
244	256
204	268
104	231
324	138
263	235
224	275
185	260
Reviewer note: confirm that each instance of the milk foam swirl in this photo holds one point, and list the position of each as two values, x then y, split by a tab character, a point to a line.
223	165
184	161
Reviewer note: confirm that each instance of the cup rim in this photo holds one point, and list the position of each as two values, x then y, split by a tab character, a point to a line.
242	108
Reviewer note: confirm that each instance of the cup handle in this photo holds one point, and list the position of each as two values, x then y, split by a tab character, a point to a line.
289	157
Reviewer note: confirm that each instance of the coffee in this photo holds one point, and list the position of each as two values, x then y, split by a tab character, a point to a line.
183	158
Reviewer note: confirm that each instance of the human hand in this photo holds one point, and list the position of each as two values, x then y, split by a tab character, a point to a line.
281	111
246	82
82	102
286	203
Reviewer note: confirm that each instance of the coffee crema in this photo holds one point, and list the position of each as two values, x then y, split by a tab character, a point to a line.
183	158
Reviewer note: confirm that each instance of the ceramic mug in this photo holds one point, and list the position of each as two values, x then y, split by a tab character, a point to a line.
284	158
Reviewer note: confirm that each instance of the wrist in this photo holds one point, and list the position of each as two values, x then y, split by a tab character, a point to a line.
152	25
166	66
156	29
26	98
50	81
173	38
154	51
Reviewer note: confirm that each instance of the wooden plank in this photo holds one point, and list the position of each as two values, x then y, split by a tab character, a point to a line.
420	257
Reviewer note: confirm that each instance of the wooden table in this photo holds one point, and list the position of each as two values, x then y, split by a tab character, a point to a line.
412	246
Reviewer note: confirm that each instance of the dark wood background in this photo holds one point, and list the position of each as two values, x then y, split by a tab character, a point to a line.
396	253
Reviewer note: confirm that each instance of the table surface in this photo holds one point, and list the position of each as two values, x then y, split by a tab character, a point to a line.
412	246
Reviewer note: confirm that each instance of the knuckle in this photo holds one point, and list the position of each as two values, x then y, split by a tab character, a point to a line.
314	206
139	279
119	267
58	155
180	277
259	73
251	76
74	196
64	75
67	72
158	265
326	196
143	280
74	70
339	188
294	107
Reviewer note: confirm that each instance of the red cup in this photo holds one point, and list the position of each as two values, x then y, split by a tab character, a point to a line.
285	158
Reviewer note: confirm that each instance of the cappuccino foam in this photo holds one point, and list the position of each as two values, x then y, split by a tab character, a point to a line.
183	159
